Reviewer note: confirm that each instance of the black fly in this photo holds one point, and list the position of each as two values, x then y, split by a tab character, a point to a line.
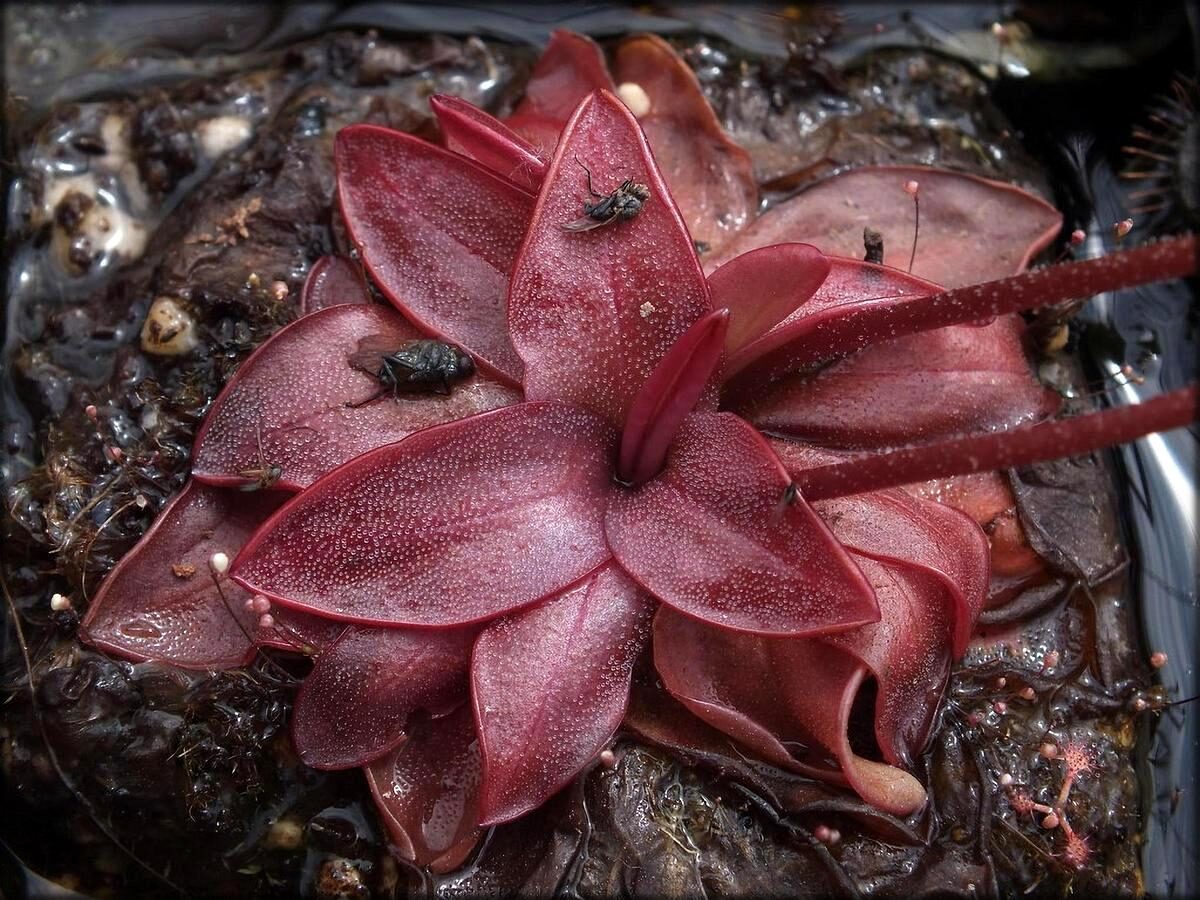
622	204
265	474
421	366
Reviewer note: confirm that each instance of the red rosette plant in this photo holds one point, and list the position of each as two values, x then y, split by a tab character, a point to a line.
639	458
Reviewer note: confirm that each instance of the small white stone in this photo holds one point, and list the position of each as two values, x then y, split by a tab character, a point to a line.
635	97
58	603
646	309
220	135
169	329
219	562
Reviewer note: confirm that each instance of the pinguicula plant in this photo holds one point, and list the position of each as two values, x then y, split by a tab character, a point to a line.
568	448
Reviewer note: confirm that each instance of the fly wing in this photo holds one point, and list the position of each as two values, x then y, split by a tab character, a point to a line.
369	355
586	223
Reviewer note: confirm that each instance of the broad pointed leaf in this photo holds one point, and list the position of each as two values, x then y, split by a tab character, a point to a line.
356	703
895	526
987	499
971	229
570	68
592	313
938	383
550	685
427	791
711	177
470	131
161	602
786	347
455	524
763	287
332	281
717	536
669	394
732	681
438	234
908	651
300	404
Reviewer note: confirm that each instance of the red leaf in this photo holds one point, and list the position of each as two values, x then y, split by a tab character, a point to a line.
668	396
161	603
911	390
438	233
763	287
783	349
715	536
972	229
455	524
470	131
710	176
355	704
908	651
427	792
732	680
592	313
332	281
290	397
550	686
570	68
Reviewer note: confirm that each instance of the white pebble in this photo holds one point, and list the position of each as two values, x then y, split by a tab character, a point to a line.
220	135
635	97
169	329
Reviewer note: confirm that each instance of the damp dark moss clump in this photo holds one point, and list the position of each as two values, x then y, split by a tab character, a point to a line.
138	779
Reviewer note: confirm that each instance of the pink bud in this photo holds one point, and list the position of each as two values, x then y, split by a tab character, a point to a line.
1078	236
1051	821
911	188
608	759
1028	693
1049	750
1122	228
1158	659
1000	707
1050	660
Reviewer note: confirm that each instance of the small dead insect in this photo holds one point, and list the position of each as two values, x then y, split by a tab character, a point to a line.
622	204
786	499
421	366
265	474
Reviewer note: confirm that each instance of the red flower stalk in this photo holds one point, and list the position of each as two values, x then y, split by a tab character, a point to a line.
519	537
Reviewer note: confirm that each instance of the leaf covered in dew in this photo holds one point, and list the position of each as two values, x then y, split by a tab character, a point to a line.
718	535
797	341
469	131
427	791
971	229
937	383
333	281
356	703
730	680
710	176
678	383
763	287
161	602
592	313
455	524
438	234
568	70
550	685
899	527
299	403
